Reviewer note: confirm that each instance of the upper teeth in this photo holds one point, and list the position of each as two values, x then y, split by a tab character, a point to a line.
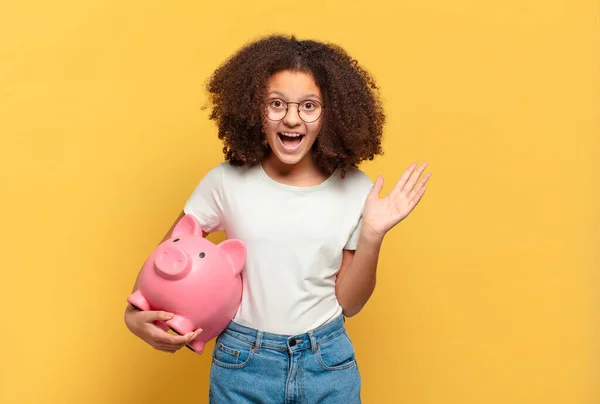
291	134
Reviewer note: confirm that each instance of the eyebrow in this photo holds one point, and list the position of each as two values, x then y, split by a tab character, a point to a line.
305	95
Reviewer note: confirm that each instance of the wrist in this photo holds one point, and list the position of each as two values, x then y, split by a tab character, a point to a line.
370	235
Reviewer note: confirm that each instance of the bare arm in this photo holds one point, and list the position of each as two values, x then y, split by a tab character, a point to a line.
356	280
357	277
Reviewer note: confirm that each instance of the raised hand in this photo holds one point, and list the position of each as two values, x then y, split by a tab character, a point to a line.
382	214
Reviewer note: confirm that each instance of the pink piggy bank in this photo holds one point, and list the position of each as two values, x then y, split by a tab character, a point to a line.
198	281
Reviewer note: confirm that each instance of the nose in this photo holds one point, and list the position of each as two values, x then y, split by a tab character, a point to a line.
171	263
292	117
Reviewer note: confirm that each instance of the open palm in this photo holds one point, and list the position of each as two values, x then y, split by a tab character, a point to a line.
382	214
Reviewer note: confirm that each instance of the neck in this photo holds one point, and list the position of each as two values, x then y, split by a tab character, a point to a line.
304	173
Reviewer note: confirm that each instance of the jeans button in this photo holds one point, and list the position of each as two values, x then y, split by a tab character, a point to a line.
292	342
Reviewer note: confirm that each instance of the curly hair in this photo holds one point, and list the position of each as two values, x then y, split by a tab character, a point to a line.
353	119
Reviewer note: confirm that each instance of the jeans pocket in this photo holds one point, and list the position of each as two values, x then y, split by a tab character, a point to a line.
232	353
337	353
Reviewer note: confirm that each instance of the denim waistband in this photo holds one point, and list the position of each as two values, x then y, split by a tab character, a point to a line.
309	340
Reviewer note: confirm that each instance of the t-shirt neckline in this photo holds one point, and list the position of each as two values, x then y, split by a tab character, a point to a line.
297	188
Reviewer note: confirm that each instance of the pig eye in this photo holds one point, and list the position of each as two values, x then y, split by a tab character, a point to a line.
202	255
176	240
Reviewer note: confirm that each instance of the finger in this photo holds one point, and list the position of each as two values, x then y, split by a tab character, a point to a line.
377	187
174	346
176	339
195	334
167	348
408	187
157	315
417	197
400	184
165	337
190	336
420	185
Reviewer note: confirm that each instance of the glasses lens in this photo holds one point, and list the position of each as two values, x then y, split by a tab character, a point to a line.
276	109
310	111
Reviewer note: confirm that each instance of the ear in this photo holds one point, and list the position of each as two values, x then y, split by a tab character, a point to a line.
187	225
236	251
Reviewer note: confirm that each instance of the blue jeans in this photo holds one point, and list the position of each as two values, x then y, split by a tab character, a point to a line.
251	366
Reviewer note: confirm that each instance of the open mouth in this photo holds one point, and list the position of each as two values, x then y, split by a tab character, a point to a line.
290	140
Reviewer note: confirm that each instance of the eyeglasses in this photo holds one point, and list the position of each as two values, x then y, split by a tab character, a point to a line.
308	110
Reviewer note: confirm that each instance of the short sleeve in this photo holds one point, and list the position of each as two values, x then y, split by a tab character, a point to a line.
206	201
353	240
360	189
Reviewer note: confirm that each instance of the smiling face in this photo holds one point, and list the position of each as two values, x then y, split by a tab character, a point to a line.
291	138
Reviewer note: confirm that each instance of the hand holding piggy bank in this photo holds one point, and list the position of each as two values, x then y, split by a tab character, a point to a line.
197	280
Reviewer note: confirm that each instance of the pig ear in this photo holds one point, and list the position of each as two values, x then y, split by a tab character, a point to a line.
187	225
236	251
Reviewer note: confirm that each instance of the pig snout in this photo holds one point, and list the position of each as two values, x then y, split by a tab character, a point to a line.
172	263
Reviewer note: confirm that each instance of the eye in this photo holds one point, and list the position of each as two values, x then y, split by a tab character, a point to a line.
202	255
309	106
277	104
176	240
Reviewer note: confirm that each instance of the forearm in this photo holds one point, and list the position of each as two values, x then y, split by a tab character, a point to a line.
357	284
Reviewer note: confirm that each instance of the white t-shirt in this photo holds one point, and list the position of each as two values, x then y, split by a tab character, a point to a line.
294	238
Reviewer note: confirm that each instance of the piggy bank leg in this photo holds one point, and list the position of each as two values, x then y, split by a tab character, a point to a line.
197	345
138	301
162	324
180	325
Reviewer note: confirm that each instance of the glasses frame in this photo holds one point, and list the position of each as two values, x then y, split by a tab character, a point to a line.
287	103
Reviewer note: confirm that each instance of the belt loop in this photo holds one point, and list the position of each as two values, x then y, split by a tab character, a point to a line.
258	341
313	342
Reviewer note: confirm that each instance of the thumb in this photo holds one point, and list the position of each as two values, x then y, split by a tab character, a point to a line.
377	187
194	334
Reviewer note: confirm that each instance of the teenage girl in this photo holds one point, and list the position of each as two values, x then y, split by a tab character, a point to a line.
297	118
